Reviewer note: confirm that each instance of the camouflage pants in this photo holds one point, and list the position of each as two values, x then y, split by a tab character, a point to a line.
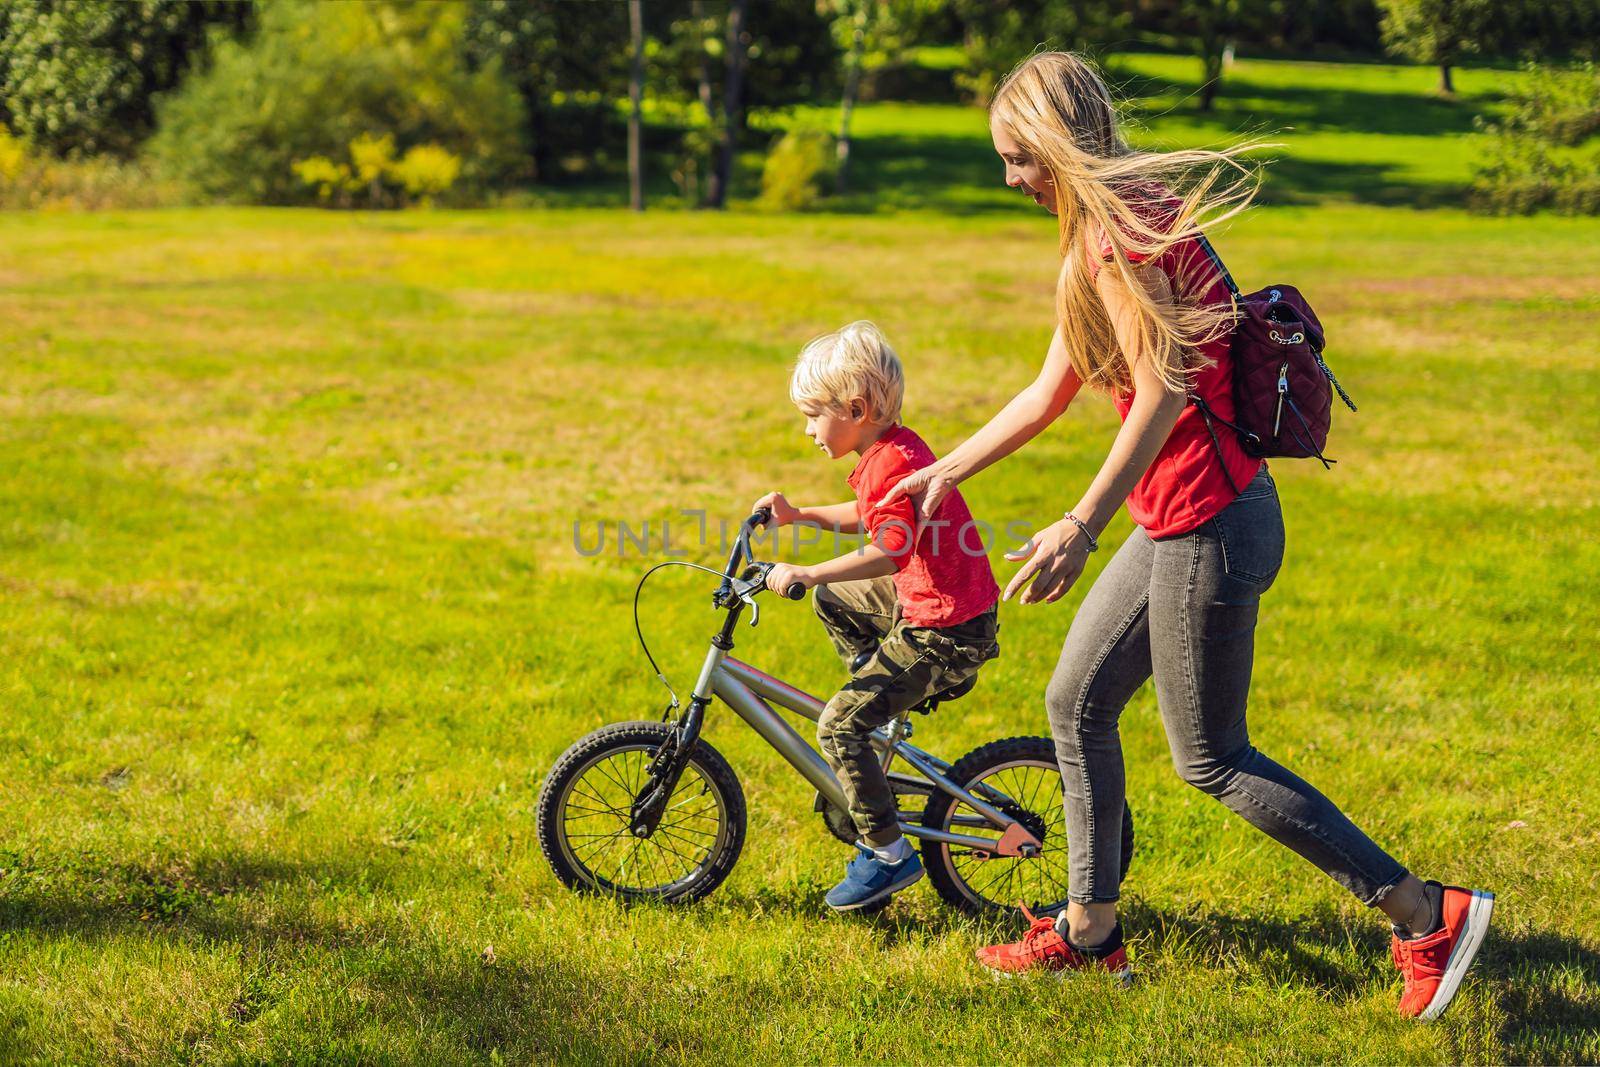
908	665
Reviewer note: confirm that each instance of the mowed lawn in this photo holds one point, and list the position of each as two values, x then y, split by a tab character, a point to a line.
293	623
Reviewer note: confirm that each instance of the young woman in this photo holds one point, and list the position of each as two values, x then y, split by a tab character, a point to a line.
1143	315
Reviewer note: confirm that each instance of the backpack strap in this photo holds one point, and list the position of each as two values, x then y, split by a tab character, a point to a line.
1207	414
1216	261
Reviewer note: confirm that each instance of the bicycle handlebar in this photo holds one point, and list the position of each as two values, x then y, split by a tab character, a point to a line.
741	553
760	517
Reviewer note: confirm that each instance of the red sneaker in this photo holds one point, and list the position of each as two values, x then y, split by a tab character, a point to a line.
1434	965
1044	948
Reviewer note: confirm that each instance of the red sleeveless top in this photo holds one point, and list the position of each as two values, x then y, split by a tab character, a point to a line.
1185	484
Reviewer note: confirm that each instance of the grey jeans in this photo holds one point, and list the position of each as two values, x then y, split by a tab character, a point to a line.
1183	609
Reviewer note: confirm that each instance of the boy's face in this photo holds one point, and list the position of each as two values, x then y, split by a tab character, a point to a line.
837	433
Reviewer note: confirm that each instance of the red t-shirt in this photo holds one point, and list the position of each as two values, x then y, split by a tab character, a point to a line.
1185	485
944	579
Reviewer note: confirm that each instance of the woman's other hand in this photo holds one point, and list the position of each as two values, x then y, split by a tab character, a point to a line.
1055	559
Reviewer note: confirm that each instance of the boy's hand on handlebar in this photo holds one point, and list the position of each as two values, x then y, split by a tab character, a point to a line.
783	575
783	512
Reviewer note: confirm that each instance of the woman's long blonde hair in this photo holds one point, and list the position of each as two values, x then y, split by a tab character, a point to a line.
1057	108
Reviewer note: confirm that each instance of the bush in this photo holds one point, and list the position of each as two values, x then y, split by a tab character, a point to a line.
318	76
792	177
29	181
375	178
696	158
1535	157
427	171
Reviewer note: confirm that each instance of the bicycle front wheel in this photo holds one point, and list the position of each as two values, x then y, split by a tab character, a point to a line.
585	807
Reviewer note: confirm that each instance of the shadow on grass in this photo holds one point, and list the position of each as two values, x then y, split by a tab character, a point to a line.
961	177
959	174
458	1004
1307	109
447	997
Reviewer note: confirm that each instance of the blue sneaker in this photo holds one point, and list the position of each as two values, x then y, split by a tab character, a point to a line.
867	880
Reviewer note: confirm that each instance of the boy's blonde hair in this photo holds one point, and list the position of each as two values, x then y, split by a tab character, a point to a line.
850	362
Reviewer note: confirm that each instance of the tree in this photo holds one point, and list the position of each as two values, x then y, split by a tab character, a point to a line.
998	34
732	104
1212	27
635	98
785	54
1440	32
863	30
314	78
568	62
78	77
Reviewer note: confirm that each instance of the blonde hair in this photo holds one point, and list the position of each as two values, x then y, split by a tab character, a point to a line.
854	361
1057	108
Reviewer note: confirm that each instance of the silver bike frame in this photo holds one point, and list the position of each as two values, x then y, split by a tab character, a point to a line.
748	690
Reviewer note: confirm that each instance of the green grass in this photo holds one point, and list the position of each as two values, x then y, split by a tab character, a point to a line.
292	625
1365	133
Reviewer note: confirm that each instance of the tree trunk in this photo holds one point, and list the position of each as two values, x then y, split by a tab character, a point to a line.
1211	64
1446	86
543	158
697	15
852	84
635	100
732	106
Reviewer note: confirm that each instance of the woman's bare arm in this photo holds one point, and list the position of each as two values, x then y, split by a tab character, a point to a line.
1057	555
1021	420
1150	421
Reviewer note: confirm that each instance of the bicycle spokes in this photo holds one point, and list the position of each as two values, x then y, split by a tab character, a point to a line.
597	817
1035	801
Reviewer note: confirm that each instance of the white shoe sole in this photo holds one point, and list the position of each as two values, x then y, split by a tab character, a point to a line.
1461	956
883	894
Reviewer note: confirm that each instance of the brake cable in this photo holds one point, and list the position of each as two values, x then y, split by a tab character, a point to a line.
639	632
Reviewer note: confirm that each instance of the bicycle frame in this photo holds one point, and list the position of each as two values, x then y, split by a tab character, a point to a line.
748	691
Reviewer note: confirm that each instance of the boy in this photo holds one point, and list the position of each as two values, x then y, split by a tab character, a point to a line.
910	616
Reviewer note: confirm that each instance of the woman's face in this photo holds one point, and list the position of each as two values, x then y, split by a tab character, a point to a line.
1022	170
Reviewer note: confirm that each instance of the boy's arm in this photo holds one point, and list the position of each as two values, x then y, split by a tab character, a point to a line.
841	518
868	562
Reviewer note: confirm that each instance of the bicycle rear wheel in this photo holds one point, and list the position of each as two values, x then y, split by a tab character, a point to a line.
1024	769
584	815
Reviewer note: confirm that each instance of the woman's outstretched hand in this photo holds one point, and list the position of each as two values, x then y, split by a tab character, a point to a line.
926	489
1055	556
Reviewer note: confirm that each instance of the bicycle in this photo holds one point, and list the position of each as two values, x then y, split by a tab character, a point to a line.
642	810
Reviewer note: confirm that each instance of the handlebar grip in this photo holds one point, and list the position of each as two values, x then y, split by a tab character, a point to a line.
760	517
796	591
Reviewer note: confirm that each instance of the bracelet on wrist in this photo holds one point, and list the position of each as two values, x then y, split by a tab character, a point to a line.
1094	544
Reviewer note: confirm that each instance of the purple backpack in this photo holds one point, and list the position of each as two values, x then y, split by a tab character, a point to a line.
1282	388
